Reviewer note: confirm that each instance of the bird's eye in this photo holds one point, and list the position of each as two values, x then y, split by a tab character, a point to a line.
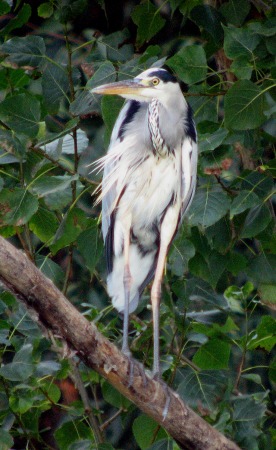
155	81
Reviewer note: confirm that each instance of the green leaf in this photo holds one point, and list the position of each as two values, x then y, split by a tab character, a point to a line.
92	252
243	201
256	221
6	440
11	149
265	334
74	221
15	78
50	269
50	389
46	185
262	269
18	21
21	113
17	206
210	204
44	224
208	18
148	20
235	11
260	183
25	51
236	263
55	86
267	293
213	355
22	367
21	404
45	10
204	387
182	251
70	432
239	42
247	414
104	74
210	141
209	269
150	428
244	106
4	9
113	397
114	48
189	63
242	68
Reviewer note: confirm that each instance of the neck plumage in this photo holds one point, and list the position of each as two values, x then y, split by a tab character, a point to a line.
160	148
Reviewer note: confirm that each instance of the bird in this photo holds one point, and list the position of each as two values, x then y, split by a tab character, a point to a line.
149	181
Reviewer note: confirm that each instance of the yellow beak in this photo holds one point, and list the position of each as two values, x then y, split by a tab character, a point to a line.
120	88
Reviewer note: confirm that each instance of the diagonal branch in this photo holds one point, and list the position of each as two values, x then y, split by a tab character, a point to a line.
56	313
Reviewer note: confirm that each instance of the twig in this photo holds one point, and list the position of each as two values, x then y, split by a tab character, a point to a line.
111	419
85	399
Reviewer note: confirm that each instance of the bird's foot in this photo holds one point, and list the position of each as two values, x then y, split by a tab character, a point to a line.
135	369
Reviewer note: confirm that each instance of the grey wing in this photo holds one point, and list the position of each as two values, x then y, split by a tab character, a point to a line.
189	173
110	165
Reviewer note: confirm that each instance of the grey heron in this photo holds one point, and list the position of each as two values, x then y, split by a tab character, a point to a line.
148	185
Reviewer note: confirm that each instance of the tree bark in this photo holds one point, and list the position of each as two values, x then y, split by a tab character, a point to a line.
53	311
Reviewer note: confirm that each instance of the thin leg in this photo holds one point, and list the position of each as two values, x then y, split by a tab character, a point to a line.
167	231
155	301
127	287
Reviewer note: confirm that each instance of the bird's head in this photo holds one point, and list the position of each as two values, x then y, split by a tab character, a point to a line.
151	84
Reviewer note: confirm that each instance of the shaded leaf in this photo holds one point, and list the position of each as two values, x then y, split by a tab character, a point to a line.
55	85
244	106
150	428
211	141
209	19
243	201
71	226
239	42
17	206
235	11
116	46
189	63
21	113
50	269
209	269
43	224
46	185
18	21
182	251
202	388
209	205
22	367
148	20
25	51
92	252
70	432
256	221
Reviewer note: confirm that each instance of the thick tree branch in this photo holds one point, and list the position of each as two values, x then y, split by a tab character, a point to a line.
56	313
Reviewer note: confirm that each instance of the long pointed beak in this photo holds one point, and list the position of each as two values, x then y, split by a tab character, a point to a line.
120	88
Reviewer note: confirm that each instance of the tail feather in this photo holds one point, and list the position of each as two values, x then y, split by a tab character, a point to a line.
141	269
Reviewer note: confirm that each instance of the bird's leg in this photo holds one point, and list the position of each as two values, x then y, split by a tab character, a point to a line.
155	302
127	285
168	227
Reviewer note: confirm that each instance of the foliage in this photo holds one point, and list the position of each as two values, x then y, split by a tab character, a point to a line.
218	331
